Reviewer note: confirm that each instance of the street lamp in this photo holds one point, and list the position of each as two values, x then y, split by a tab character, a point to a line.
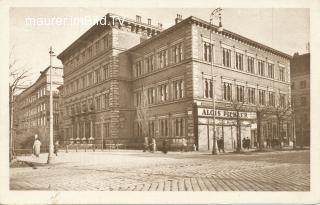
50	154
213	14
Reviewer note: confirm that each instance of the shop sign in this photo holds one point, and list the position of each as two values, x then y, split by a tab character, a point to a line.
204	112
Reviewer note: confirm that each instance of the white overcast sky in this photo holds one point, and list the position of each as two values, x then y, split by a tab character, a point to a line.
284	29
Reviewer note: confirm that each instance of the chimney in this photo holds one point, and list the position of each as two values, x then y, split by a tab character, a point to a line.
138	18
160	25
178	18
149	21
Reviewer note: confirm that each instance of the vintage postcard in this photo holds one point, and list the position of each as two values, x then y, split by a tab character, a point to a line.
160	102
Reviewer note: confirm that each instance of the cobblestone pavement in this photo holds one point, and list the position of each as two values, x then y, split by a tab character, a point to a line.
138	171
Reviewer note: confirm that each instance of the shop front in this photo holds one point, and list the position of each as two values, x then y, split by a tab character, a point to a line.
226	123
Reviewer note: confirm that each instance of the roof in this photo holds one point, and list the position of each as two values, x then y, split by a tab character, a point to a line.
231	34
82	39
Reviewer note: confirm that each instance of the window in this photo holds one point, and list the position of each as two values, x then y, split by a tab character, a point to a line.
137	98
151	95
177	53
226	57
90	51
163	93
98	102
270	70
262	97
105	42
97	76
303	101
84	82
139	129
208	88
106	100
303	84
151	129
106	71
97	45
261	67
252	95
282	102
138	68
150	63
227	91
178	87
240	93
164	129
239	61
207	51
179	127
271	98
163	58
281	74
90	79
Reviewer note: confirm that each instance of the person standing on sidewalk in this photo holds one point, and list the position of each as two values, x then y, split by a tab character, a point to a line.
36	146
154	145
184	145
56	148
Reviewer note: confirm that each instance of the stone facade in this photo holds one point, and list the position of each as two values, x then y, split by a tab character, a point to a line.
162	86
32	110
300	84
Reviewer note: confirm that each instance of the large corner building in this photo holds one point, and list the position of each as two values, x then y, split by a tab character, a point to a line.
125	82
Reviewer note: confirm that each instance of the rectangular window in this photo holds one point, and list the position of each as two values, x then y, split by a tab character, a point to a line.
281	74
178	89
207	51
261	67
97	46
151	128
270	70
164	129
240	93
271	99
97	76
177	53
90	51
208	88
163	92
303	84
138	98
252	95
250	64
105	42
138	68
239	61
151	95
226	57
262	97
106	71
179	127
90	79
150	63
227	91
163	58
282	102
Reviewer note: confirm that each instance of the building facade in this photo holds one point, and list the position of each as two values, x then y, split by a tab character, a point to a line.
32	111
300	86
163	87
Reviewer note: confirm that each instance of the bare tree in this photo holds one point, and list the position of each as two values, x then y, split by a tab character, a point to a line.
17	81
142	112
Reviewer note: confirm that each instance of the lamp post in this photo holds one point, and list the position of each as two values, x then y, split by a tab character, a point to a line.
213	13
50	154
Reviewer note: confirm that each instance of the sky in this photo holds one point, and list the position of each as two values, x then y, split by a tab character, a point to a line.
286	30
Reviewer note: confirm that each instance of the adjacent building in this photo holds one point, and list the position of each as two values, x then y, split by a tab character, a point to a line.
300	86
129	82
32	110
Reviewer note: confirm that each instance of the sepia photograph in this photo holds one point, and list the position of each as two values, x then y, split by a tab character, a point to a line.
118	101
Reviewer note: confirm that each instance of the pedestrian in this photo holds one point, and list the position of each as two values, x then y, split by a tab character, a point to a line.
244	143
56	148
36	146
219	144
154	145
165	146
184	145
248	143
222	144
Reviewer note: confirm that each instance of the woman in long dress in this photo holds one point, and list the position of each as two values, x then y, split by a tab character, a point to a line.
36	147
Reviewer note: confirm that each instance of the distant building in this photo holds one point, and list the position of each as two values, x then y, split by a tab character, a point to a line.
300	86
32	110
124	83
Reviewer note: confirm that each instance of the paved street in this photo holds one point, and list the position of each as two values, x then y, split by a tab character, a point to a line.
125	170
